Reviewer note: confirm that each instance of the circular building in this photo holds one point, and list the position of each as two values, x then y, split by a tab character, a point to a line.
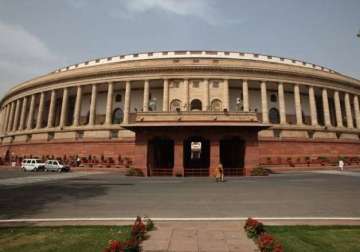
184	112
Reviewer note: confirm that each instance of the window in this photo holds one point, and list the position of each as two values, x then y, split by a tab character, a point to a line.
117	116
175	105
175	84
274	116
118	98
215	84
196	105
273	98
216	105
195	84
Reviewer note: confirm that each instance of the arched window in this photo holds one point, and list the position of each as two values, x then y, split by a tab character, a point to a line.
117	116
196	105
216	105
274	116
175	105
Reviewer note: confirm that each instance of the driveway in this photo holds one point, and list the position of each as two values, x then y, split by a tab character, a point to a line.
111	195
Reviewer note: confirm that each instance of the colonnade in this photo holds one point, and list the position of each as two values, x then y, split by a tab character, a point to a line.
13	114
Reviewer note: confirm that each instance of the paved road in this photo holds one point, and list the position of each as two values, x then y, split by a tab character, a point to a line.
111	195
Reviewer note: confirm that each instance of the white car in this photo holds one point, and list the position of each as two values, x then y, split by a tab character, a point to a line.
32	165
55	165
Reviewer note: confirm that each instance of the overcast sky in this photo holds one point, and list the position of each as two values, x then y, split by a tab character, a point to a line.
39	36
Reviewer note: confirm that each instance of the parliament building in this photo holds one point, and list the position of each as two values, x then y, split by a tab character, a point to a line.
181	113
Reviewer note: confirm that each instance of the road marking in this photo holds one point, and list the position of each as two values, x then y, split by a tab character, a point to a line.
184	219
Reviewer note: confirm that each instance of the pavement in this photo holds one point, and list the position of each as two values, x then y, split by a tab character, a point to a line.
110	195
199	237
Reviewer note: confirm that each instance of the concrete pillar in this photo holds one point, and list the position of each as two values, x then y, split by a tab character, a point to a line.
77	110
64	108
226	94
326	108
281	103
41	111
312	104
264	104
146	96
31	113
349	118
339	122
16	116
127	102
2	120
166	95
50	122
245	90
297	100
109	103
357	111
92	116
22	116
8	109
11	117
207	95
187	102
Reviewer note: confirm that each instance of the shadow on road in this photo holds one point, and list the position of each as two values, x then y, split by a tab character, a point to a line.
25	201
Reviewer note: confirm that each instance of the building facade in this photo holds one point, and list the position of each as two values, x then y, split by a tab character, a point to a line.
184	112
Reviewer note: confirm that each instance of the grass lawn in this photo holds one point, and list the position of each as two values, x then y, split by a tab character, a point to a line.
67	238
317	238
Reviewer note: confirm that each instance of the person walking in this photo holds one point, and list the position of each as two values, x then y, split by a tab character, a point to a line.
341	165
220	173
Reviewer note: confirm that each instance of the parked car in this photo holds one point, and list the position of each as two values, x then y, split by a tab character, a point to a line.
32	165
55	165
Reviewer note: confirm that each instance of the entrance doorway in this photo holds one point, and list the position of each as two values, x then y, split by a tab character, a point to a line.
196	156
160	157
232	153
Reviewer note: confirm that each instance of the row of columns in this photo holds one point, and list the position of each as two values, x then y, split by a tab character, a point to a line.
13	120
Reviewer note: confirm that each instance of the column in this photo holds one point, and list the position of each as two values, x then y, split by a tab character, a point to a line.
281	103
109	103
93	105
16	116
2	120
339	122
186	86
22	116
11	117
31	113
166	95
357	111
64	108
7	115
297	100
264	104
326	108
146	96
226	94
50	122
349	118
312	104
41	111
206	101
127	102
245	90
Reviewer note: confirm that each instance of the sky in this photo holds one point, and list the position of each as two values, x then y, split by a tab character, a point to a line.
39	36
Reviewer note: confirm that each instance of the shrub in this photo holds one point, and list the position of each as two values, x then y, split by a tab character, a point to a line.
253	228
267	243
138	231
260	171
134	172
149	224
